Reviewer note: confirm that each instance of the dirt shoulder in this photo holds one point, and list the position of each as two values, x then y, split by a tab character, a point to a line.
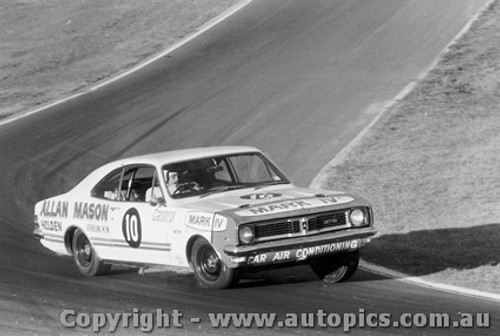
52	48
430	167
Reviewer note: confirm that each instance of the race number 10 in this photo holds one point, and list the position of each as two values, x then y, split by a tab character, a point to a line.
131	227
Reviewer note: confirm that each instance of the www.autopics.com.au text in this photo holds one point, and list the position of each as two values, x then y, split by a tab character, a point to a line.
158	319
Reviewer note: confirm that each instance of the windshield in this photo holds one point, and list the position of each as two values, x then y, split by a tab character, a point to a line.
220	173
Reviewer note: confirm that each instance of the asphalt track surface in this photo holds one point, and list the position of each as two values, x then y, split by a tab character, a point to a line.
298	79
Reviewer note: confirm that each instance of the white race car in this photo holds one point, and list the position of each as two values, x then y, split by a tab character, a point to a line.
220	211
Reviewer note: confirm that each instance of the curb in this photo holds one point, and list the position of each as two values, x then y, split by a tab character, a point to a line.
321	179
197	32
386	272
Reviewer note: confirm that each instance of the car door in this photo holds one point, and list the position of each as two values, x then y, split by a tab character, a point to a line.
136	236
145	238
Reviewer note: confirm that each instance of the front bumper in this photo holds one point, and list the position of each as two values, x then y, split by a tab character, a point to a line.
298	249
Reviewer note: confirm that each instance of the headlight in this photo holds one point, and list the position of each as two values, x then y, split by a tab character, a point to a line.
246	234
357	217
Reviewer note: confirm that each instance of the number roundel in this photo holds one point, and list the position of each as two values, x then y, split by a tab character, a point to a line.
131	227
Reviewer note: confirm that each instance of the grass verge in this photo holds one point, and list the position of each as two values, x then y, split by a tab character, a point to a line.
53	48
430	167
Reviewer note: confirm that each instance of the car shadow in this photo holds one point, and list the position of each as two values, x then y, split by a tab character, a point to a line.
295	275
416	253
425	252
119	269
291	275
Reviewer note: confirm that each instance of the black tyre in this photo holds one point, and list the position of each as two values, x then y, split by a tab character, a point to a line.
209	270
85	257
336	268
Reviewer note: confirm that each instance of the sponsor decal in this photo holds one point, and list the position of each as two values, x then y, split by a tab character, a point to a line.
200	220
131	228
97	228
91	211
260	196
51	225
325	249
54	209
328	200
167	216
302	253
206	221
279	207
294	205
257	259
220	223
281	255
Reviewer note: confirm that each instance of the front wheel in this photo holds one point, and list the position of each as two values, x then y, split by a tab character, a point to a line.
336	268
85	257
209	270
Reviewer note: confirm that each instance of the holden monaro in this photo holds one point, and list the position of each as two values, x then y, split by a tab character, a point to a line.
220	211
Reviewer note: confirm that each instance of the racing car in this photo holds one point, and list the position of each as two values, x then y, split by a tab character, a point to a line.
218	211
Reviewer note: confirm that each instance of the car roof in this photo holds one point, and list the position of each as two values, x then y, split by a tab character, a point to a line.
161	158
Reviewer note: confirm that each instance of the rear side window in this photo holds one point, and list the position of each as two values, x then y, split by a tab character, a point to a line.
126	184
108	185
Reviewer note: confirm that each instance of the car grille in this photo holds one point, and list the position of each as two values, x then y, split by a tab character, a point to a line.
276	228
289	227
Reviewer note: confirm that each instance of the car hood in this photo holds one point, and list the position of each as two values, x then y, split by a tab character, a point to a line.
275	201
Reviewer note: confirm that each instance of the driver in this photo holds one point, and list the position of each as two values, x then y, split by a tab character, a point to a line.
172	181
175	187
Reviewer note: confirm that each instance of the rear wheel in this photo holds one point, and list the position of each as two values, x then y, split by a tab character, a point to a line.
209	270
336	268
85	257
